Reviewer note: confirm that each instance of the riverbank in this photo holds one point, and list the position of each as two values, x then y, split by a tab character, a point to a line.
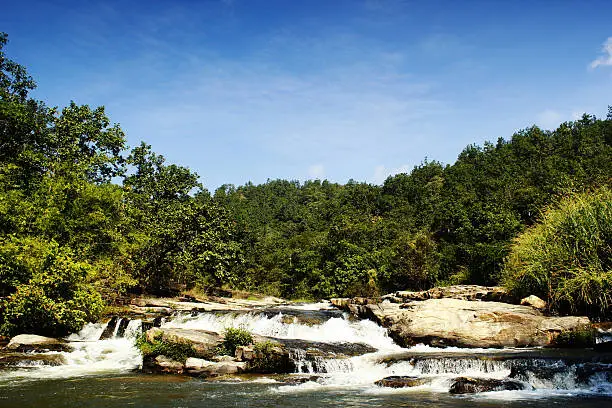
327	353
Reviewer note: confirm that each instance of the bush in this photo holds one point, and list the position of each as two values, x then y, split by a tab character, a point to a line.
158	347
234	337
579	338
567	258
55	299
264	358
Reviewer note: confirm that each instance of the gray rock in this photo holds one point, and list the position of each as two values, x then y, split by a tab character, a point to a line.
461	292
163	365
204	368
244	353
33	342
401	381
203	342
467	385
533	301
453	322
31	359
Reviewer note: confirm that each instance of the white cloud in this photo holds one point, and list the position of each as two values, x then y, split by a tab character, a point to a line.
316	171
381	172
606	59
549	119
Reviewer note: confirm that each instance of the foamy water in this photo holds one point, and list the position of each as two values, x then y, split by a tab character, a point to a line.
438	367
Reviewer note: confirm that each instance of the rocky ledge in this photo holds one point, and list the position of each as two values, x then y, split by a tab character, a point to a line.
464	319
35	343
265	355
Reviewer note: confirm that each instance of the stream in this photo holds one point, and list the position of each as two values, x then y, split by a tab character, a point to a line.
104	373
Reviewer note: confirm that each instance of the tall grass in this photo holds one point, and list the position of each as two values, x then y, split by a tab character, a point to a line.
567	257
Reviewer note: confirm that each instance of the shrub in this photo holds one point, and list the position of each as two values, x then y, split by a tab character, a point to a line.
234	337
157	347
567	258
264	358
579	338
52	298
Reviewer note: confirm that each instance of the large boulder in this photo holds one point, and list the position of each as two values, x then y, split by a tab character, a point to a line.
163	364
534	301
467	385
454	322
198	367
461	292
33	342
30	359
203	342
402	381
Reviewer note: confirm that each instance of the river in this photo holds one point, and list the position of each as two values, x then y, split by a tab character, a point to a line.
104	373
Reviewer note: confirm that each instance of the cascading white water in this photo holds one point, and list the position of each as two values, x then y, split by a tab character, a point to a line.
438	367
334	330
89	355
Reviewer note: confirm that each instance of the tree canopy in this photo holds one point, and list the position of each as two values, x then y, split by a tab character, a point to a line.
85	219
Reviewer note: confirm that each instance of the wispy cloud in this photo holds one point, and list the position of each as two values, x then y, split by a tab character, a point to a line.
605	59
549	119
316	171
381	172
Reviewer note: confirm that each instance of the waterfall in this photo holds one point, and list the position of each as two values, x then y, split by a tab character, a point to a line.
320	349
334	330
90	355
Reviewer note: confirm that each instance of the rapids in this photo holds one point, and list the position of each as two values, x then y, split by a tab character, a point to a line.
572	377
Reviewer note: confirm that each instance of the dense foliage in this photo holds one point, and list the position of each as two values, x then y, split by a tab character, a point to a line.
567	258
437	225
85	218
70	235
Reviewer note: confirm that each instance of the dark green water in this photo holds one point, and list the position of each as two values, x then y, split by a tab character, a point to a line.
137	390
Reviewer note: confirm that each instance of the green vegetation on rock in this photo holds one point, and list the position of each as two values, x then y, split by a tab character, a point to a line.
232	338
567	257
265	360
159	347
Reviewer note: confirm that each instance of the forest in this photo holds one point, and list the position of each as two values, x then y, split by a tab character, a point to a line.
86	220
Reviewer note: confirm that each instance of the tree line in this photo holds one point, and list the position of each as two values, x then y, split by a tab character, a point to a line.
85	219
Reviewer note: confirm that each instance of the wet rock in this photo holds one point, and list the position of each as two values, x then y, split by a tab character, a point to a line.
401	381
198	367
32	342
533	301
297	380
307	317
109	330
467	385
327	350
30	359
244	353
454	322
203	342
543	370
122	326
163	364
340	303
585	372
604	346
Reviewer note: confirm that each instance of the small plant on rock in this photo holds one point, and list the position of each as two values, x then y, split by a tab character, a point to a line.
157	347
234	337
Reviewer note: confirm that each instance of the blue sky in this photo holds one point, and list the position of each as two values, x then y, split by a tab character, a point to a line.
246	90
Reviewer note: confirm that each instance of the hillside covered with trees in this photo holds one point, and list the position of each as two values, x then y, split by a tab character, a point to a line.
85	219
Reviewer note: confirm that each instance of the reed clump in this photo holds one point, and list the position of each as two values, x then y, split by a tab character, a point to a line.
567	257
